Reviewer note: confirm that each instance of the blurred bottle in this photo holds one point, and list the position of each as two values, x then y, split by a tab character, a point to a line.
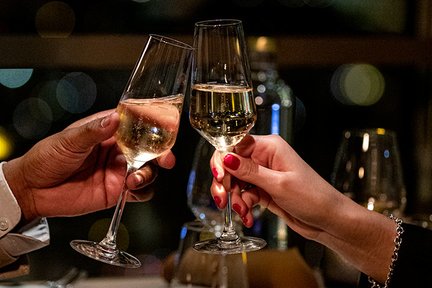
275	104
274	99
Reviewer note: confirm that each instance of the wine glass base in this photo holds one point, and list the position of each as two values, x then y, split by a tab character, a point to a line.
217	246
94	250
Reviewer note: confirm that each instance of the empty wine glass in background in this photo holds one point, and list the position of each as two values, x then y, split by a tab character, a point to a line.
222	109
199	198
150	109
368	169
193	269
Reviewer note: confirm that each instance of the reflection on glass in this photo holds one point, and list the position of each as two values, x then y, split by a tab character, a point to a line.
368	169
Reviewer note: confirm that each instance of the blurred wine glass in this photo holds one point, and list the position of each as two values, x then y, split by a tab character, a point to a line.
368	169
195	270
199	198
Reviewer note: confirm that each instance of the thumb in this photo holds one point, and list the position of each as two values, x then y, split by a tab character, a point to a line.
91	133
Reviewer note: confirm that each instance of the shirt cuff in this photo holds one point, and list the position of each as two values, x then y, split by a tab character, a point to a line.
10	212
30	237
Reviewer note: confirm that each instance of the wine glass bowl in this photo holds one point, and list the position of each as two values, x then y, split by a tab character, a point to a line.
222	109
227	119
368	169
149	110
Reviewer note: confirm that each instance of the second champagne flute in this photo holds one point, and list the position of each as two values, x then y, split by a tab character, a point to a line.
150	110
222	109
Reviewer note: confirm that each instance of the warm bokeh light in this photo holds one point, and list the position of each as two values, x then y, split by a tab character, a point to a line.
32	118
6	145
357	84
76	92
380	131
55	19
15	78
365	143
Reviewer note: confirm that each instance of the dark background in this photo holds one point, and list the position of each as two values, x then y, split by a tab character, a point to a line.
152	228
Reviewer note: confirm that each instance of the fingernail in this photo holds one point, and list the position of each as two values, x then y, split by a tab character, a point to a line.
237	208
214	172
231	161
138	179
105	121
217	200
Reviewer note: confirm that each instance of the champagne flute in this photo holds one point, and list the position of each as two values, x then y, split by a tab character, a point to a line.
149	110
222	109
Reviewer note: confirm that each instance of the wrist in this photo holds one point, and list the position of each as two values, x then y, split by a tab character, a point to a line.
366	239
16	180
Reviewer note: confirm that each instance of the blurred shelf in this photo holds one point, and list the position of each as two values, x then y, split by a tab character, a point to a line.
121	51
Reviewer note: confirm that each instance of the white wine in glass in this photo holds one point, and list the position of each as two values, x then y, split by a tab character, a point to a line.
150	110
222	109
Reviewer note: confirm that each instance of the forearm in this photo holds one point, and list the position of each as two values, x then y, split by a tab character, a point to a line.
364	238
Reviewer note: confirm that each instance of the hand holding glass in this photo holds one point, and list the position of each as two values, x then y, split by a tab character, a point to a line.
150	110
222	109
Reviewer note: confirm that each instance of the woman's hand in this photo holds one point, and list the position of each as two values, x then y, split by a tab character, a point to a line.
292	190
283	183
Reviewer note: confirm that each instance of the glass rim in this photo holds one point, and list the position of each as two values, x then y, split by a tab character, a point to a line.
218	22
171	41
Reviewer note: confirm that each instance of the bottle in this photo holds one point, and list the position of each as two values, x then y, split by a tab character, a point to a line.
275	105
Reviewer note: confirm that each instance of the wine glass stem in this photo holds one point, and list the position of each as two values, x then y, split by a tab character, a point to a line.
109	242
229	234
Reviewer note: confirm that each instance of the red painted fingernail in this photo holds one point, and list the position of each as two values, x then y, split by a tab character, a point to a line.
217	200
237	208
231	161
214	172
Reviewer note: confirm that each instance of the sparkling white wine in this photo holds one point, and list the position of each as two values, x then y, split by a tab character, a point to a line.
222	114
148	127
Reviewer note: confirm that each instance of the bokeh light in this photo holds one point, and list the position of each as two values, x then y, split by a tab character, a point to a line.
32	118
6	145
76	92
47	91
55	19
357	84
15	78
